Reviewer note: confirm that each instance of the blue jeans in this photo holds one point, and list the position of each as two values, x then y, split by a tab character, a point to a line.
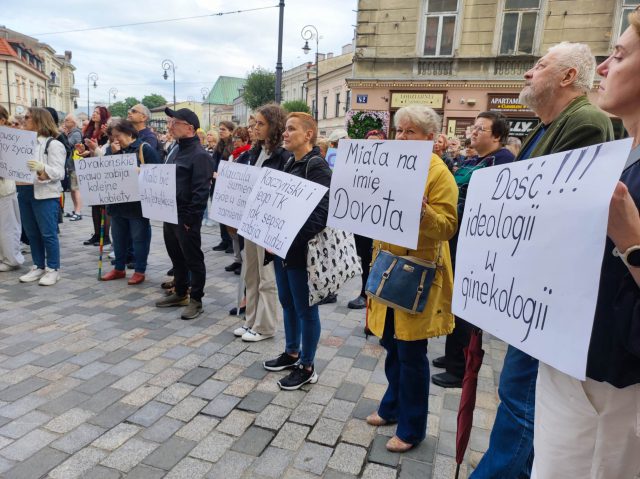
301	321
406	399
510	453
126	231
40	223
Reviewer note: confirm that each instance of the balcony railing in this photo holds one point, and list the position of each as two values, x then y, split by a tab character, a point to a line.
435	67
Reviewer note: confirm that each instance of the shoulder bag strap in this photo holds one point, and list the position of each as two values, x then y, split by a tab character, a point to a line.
141	153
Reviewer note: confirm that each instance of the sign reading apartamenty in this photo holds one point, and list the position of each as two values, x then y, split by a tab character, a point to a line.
530	251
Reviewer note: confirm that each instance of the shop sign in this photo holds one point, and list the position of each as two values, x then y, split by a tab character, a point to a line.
458	127
433	100
508	104
362	98
521	127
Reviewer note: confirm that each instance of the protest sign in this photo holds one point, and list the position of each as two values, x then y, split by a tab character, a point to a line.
16	147
278	206
530	250
377	189
157	185
233	186
106	180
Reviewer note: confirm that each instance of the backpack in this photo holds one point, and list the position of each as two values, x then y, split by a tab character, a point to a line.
463	177
68	162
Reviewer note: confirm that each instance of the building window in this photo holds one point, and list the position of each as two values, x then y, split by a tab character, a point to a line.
347	103
628	6
440	27
337	104
519	26
324	108
313	107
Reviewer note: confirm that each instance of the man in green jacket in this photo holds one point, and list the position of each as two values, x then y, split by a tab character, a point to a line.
555	88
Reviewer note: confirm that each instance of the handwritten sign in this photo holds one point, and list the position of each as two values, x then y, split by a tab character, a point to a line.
16	147
157	184
233	186
530	250
278	206
106	180
377	189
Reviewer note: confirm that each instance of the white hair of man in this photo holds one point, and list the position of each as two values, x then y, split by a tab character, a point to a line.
145	111
421	117
579	57
72	118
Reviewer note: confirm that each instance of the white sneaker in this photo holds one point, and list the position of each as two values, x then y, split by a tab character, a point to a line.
112	255
50	277
253	336
239	332
4	267
33	275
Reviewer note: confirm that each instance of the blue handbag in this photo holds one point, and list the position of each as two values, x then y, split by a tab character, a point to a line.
401	282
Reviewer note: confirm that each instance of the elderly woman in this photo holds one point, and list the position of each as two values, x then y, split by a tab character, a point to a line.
126	218
301	321
404	335
40	202
592	428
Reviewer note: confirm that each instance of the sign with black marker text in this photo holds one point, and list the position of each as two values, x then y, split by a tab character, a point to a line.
233	187
530	250
16	147
157	184
377	189
278	206
106	180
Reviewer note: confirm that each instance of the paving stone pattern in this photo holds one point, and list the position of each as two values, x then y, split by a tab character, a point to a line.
95	382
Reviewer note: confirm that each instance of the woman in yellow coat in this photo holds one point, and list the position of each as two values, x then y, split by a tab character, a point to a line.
404	335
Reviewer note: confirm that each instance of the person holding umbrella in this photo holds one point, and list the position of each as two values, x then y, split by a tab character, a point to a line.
405	335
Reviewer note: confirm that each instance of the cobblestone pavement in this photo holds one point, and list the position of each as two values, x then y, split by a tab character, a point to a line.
96	382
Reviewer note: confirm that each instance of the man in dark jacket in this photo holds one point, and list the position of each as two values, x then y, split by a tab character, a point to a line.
193	180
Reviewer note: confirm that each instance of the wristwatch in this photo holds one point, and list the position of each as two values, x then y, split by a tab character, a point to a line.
630	257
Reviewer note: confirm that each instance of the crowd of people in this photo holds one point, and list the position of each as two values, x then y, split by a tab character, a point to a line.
577	429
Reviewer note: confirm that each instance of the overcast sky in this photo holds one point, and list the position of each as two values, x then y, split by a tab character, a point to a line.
130	58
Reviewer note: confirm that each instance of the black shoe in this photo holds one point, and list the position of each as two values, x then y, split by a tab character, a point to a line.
233	267
170	272
284	361
131	266
92	241
367	331
229	249
440	362
332	298
446	380
235	311
193	309
359	303
298	378
221	247
238	271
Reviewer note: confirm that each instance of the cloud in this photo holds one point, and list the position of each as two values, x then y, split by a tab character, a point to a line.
130	58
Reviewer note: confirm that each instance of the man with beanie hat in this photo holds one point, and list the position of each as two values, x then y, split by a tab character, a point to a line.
183	243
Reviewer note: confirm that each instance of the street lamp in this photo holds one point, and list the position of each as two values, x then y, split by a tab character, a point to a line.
205	94
112	91
309	32
169	65
91	77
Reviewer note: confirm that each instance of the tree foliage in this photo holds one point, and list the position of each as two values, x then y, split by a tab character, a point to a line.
363	122
120	108
153	101
296	105
260	88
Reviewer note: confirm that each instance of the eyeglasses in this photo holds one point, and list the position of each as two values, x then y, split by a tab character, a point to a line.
237	138
132	110
178	122
479	128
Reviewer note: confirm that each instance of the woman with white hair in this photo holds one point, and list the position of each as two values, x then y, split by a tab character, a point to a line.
405	335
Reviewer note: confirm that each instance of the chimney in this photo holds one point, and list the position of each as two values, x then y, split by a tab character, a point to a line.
67	55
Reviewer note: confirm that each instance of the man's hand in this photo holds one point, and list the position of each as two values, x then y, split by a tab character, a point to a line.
624	220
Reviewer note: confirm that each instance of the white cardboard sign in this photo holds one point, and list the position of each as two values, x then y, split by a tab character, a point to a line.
377	189
233	187
16	147
106	180
157	184
278	206
530	250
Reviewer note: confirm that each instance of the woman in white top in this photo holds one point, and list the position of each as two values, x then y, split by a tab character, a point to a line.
39	202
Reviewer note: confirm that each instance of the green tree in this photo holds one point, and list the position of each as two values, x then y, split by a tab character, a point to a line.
120	108
361	123
296	105
153	101
260	88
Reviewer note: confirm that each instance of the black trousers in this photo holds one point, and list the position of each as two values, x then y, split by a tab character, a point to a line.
184	248
364	249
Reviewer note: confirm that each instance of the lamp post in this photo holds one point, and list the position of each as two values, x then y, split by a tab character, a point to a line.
169	65
279	61
309	32
205	94
91	77
112	91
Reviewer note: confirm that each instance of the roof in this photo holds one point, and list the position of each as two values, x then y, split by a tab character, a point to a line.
225	90
5	48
